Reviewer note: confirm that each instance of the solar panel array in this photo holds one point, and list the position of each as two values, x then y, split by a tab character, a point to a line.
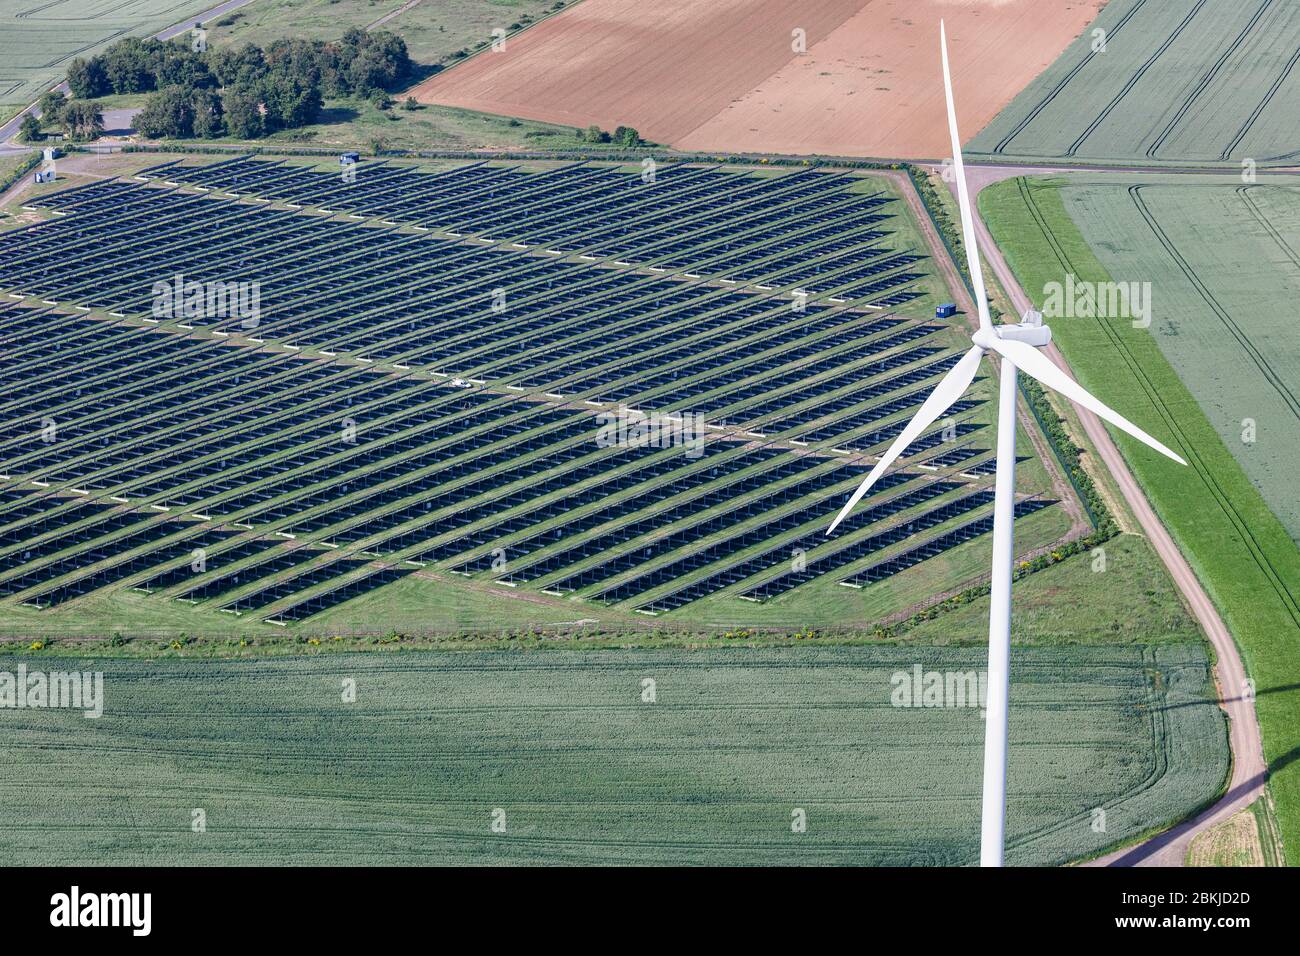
410	399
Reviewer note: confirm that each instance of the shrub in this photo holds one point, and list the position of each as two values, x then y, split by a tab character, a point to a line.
167	113
243	117
29	131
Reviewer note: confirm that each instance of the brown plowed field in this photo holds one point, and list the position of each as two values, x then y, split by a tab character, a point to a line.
722	74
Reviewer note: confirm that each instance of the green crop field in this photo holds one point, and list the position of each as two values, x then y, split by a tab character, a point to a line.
38	40
1223	260
433	31
563	753
1156	81
1244	556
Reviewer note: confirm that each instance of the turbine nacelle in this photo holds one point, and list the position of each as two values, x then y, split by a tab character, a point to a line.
1039	336
1036	335
1030	330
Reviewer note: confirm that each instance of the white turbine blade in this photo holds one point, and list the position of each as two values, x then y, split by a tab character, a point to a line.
963	199
1033	362
949	389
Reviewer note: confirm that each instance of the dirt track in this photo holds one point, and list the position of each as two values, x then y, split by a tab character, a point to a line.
725	75
1061	486
1249	769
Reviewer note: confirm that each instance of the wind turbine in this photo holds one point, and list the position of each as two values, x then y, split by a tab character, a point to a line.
1018	346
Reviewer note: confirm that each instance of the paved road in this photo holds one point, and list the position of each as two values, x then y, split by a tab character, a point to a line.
10	129
119	122
1249	769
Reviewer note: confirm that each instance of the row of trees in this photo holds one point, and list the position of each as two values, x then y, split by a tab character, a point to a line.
358	63
622	136
246	91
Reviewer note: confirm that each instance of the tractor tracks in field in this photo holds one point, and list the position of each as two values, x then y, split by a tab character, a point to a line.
1206	80
1270	374
1065	81
1253	208
1249	769
1133	80
1251	29
1194	456
1260	106
1216	492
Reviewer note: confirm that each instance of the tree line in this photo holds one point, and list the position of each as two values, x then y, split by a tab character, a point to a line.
624	136
247	91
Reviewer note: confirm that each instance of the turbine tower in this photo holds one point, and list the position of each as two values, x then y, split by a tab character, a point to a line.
1018	346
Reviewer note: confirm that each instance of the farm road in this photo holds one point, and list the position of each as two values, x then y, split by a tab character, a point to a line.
1249	769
